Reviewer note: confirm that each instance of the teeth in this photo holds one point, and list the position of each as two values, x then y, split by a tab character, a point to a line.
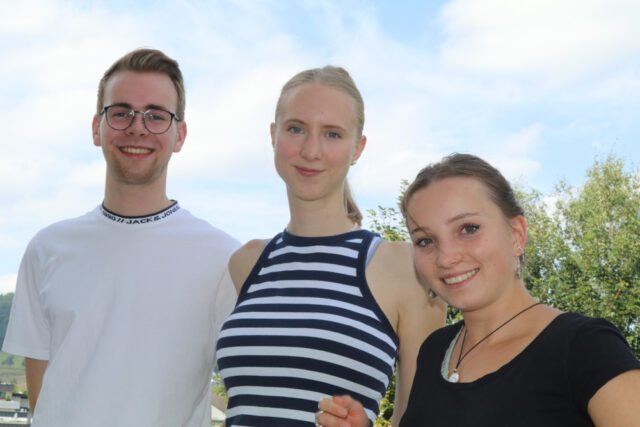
460	278
135	150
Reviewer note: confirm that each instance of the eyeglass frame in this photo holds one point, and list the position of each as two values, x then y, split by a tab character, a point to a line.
105	109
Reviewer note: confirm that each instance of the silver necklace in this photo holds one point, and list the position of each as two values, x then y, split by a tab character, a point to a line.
455	377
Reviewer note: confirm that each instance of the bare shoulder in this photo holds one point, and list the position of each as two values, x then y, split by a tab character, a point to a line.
395	258
243	260
395	286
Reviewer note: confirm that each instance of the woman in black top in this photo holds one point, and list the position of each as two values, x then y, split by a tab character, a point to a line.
512	361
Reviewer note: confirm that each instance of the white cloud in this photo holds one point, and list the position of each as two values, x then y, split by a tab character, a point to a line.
619	87
259	211
523	142
24	18
556	38
490	87
229	125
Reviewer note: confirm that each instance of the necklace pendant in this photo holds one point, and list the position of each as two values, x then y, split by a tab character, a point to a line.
454	377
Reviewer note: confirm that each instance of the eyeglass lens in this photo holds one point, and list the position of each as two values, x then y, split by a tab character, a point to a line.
156	121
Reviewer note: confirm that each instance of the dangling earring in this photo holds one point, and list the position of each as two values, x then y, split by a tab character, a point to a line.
519	262
432	294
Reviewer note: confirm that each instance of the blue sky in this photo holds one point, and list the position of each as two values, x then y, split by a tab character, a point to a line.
540	88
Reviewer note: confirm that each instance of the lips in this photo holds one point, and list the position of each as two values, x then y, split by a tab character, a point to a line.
135	150
308	172
460	278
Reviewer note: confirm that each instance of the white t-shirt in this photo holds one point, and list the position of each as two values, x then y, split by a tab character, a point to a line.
126	311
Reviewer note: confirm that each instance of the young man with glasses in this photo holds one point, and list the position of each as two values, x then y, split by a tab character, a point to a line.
117	311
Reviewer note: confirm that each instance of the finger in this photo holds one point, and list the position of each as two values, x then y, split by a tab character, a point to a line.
326	419
347	402
356	415
332	407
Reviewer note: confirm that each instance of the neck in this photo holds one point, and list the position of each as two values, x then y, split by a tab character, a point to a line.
135	200
484	320
323	217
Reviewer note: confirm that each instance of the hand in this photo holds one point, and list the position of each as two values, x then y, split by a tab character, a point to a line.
341	411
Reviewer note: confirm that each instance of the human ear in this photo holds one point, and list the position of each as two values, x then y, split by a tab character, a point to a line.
272	131
519	234
180	137
359	148
95	130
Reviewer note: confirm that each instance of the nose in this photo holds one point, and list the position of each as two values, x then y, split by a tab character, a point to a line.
137	126
448	254
311	148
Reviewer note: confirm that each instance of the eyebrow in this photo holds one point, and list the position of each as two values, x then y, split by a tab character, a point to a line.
323	126
449	221
155	107
294	121
461	216
415	230
145	108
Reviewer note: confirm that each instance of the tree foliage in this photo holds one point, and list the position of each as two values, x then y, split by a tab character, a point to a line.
585	255
388	222
582	252
5	309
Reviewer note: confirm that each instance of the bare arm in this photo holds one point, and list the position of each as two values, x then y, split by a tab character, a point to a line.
34	370
616	403
418	317
410	311
413	315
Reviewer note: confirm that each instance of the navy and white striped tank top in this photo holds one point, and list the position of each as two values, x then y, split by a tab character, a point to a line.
305	327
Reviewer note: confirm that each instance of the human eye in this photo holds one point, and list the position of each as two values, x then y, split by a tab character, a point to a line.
119	113
294	129
423	242
157	115
469	229
333	135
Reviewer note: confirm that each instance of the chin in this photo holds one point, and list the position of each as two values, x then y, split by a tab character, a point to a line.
462	304
306	194
144	178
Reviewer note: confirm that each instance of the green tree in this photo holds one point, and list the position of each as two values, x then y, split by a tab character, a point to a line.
545	251
5	309
8	361
217	386
388	222
587	254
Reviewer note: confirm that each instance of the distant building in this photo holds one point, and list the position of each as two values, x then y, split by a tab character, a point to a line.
14	407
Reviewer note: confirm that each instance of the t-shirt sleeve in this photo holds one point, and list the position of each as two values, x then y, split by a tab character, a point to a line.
28	331
597	354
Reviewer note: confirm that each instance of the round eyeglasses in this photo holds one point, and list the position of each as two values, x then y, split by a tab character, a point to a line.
155	120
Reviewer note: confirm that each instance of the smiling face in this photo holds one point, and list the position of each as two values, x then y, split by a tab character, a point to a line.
134	156
315	140
465	249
